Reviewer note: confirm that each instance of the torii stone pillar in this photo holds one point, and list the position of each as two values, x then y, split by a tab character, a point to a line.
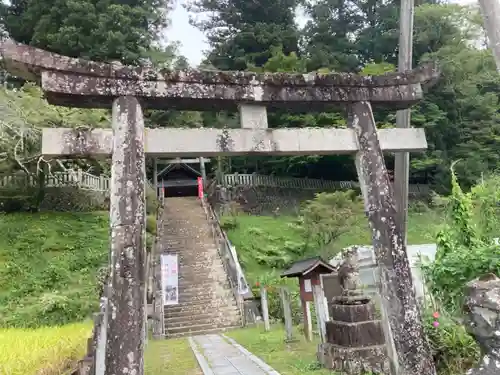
79	83
127	281
396	285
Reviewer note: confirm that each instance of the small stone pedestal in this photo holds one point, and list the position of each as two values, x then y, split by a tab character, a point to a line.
355	342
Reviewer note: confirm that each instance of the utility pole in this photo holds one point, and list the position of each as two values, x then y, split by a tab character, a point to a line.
402	159
490	9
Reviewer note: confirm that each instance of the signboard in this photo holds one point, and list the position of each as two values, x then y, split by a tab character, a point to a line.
170	279
307	286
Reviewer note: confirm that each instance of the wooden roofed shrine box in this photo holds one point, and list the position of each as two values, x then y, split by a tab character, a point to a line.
309	272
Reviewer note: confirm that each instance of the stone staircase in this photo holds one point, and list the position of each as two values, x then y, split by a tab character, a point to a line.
206	301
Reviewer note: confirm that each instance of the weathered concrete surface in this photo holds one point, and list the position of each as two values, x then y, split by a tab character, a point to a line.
127	281
253	116
65	80
482	306
396	286
211	142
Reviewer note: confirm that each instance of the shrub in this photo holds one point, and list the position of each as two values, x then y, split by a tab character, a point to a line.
273	282
151	201
453	349
71	199
447	276
418	206
47	351
327	217
151	224
464	251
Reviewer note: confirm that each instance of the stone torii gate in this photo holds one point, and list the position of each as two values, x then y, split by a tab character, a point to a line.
128	90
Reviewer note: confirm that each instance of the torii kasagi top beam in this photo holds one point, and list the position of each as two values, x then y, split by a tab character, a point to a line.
76	82
81	83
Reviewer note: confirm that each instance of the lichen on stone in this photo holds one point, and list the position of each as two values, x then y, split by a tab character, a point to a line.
482	306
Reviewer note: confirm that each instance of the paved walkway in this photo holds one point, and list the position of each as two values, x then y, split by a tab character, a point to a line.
221	355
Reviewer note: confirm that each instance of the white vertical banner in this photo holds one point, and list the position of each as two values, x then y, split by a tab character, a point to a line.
170	279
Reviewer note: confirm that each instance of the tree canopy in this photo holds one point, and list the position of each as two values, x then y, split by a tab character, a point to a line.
460	113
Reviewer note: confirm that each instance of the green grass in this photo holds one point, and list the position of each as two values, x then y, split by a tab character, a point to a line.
48	267
166	357
296	358
255	236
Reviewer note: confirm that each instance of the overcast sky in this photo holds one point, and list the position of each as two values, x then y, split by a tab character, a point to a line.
194	43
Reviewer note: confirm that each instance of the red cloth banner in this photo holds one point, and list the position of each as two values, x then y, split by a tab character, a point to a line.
200	187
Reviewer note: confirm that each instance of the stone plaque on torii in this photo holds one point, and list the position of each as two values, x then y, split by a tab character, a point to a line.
128	90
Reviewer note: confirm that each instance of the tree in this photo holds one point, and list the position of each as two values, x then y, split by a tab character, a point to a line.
327	217
243	33
24	114
330	43
460	113
100	30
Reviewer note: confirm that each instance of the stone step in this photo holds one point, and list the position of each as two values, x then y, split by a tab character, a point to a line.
204	303
201	269
228	310
208	276
186	298
187	241
208	282
201	319
205	277
207	293
195	290
187	246
202	257
202	281
199	264
195	329
172	312
198	251
232	313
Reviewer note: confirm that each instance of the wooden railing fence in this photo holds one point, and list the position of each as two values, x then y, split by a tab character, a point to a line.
302	183
89	181
70	177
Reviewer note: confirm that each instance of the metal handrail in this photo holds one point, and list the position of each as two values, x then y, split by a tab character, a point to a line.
225	252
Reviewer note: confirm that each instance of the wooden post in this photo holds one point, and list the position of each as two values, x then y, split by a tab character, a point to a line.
287	312
490	9
102	186
306	308
320	316
126	298
396	286
402	159
265	309
100	327
326	313
155	176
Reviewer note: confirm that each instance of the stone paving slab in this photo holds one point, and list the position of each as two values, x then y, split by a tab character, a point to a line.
220	355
